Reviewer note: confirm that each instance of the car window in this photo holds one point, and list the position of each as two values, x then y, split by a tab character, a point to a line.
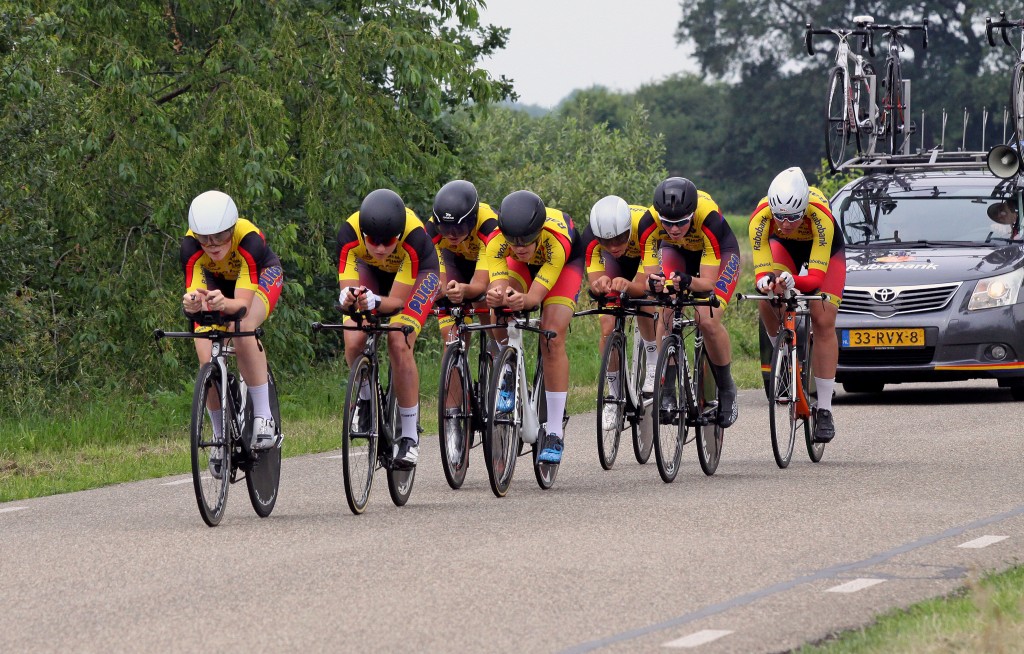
902	216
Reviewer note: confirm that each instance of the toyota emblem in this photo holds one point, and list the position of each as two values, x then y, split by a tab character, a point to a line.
885	295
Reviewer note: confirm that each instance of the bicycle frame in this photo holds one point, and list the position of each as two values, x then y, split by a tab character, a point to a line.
1017	74
530	428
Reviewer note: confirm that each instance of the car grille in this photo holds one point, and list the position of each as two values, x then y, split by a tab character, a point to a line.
888	301
886	358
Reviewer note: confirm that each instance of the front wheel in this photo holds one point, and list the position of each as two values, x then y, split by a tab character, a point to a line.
710	435
669	409
211	460
360	435
611	400
782	401
837	120
264	477
1017	101
501	440
454	422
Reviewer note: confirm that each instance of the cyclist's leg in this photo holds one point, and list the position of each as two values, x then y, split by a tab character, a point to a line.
252	359
559	305
825	355
716	337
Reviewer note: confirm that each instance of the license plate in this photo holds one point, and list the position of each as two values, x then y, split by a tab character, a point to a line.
883	338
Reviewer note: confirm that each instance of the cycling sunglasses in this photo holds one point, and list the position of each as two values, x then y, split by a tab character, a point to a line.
788	217
454	230
618	241
677	222
377	244
215	240
523	241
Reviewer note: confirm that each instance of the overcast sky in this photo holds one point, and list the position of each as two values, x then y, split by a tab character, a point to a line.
556	46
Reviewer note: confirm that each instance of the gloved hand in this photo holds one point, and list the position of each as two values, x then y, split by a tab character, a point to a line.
683	280
765	282
345	296
372	300
786	279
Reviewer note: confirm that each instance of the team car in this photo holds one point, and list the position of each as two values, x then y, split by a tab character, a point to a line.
935	265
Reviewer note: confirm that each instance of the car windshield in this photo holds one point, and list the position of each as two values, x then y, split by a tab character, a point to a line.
888	215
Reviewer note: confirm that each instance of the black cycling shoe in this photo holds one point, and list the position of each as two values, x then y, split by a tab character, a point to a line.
728	410
824	427
408	454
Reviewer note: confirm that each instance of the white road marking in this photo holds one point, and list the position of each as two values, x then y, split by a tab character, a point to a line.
12	509
177	483
855	585
984	541
339	456
697	639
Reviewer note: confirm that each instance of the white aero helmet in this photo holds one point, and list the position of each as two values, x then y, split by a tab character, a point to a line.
212	212
610	217
788	193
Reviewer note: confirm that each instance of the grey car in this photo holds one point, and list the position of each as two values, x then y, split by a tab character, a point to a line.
935	266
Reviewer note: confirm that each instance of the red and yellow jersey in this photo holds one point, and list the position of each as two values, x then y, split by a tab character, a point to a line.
473	247
709	233
559	242
249	256
643	242
818	228
415	252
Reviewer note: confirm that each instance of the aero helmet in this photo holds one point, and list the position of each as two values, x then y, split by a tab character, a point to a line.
212	212
610	217
788	194
675	199
382	216
455	208
521	217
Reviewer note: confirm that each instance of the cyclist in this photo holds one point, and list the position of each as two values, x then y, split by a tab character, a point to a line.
387	262
699	251
793	229
536	260
620	246
228	267
461	228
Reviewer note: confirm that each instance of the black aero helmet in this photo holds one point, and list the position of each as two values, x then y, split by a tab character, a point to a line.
382	216
521	217
455	208
675	199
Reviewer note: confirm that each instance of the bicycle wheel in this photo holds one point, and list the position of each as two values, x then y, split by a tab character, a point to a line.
544	472
359	439
893	105
454	422
814	450
211	491
400	481
501	441
669	409
1017	102
264	476
611	400
710	436
867	135
838	120
781	404
643	435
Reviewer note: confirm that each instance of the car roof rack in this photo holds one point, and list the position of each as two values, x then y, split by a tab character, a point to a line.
934	159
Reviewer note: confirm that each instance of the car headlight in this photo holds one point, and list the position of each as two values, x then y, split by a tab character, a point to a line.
998	291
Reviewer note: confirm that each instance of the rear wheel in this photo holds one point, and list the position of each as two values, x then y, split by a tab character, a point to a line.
544	472
837	126
501	442
454	422
781	404
1017	101
359	439
814	450
400	480
264	477
669	410
611	400
207	449
643	434
710	436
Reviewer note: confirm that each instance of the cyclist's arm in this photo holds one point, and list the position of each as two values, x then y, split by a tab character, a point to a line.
759	229
824	232
719	245
190	255
350	248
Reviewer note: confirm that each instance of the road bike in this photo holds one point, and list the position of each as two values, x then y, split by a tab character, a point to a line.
791	389
217	460
625	395
685	389
511	428
1017	80
851	109
893	122
461	400
371	427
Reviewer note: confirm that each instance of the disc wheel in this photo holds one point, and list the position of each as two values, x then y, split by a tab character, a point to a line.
210	480
359	439
501	442
643	434
814	450
669	410
710	436
454	422
400	480
611	400
545	473
264	477
781	402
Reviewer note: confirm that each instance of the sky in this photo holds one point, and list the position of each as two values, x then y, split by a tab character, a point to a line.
556	46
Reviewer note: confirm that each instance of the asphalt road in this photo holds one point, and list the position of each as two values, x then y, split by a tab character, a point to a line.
754	559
